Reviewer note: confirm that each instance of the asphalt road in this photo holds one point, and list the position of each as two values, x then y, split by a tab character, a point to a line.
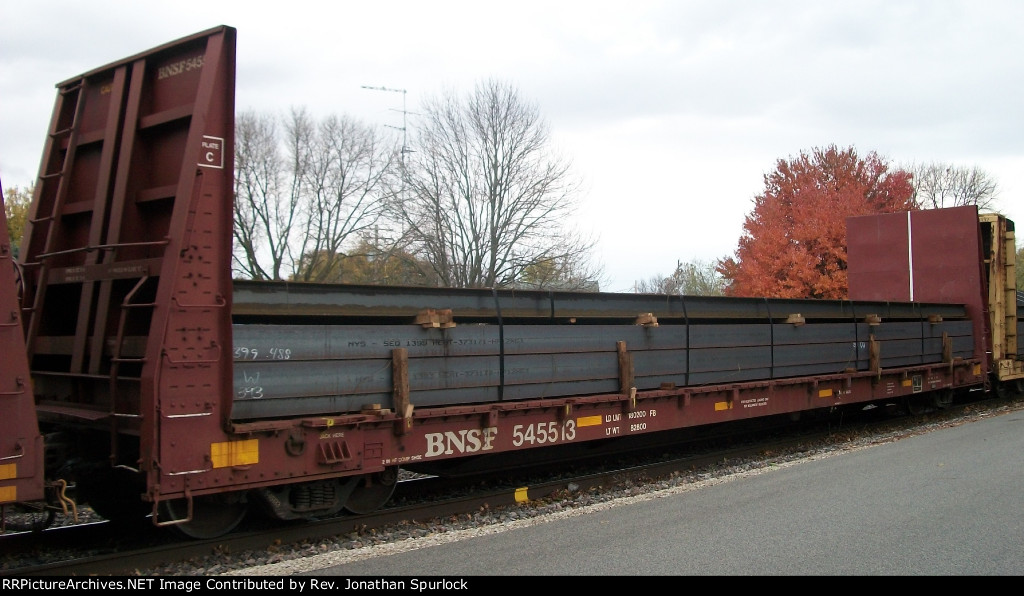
948	502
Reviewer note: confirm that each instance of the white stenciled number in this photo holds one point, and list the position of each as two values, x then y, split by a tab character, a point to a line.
569	430
246	353
280	353
543	432
518	438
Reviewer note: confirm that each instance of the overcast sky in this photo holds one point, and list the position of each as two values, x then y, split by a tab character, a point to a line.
672	112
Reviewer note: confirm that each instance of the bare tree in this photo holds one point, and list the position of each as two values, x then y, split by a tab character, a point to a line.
305	194
344	180
264	214
695	278
938	185
484	200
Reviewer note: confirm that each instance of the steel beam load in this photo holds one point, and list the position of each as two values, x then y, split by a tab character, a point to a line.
310	349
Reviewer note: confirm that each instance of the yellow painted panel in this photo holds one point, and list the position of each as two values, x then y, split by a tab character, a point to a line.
8	494
825	393
235	453
8	471
906	382
521	495
723	405
588	421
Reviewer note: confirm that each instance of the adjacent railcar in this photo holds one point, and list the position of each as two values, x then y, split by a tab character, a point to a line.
21	444
166	389
953	255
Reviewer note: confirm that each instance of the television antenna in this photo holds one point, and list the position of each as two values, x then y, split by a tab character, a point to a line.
405	113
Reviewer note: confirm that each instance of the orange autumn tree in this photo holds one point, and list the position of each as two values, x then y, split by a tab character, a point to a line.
794	241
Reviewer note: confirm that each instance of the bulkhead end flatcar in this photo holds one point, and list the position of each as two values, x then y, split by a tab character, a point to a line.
166	389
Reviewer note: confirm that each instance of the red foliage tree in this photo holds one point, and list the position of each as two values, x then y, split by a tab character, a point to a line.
794	241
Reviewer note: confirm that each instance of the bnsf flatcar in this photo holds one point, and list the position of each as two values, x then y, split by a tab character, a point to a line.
163	388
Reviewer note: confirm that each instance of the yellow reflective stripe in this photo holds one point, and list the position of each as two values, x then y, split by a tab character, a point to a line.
235	453
588	421
8	494
723	405
824	393
906	382
8	471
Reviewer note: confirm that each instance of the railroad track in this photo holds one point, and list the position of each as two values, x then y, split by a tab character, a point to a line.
103	549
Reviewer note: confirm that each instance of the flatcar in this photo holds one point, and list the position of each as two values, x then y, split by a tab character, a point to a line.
146	383
21	444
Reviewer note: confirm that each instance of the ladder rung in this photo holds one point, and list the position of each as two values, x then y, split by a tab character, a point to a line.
139	305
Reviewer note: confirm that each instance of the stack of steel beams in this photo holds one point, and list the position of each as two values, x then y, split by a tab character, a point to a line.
303	349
